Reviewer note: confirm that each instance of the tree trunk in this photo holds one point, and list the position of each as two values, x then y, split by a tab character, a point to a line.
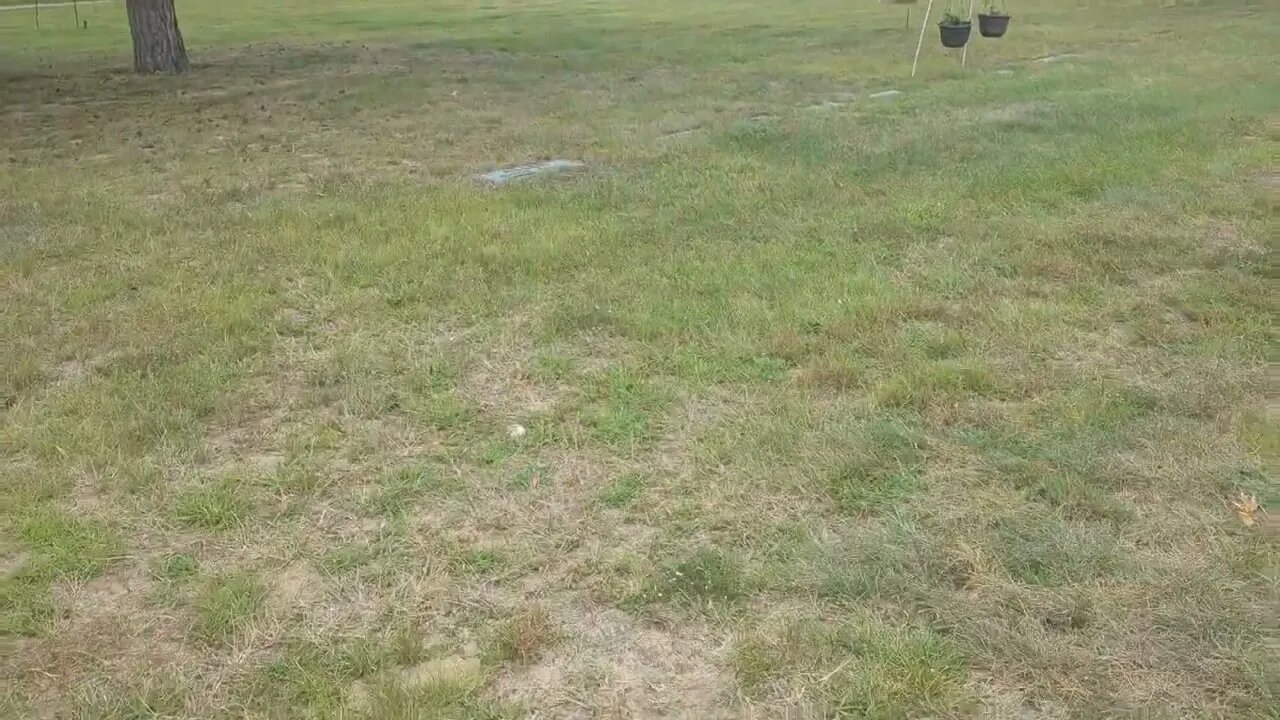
157	42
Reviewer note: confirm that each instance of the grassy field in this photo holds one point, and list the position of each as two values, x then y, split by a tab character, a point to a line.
792	402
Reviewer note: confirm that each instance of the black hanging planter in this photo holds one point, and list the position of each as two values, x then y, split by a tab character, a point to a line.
955	35
993	25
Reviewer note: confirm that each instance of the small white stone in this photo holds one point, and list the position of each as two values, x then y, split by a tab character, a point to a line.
516	431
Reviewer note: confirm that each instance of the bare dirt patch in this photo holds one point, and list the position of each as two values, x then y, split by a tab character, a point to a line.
255	441
611	665
105	629
501	385
12	562
1225	238
294	586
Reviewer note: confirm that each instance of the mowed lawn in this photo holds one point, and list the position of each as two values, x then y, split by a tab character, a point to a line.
796	400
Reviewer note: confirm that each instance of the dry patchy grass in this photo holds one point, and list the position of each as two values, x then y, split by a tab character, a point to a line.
796	402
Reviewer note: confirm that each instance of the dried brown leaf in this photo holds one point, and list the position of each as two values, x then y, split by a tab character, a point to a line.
1247	507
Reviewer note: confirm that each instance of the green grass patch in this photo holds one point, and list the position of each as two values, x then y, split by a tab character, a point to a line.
626	410
622	490
227	606
64	546
922	385
179	567
400	489
867	668
436	697
706	577
220	505
60	547
477	561
1042	549
316	675
881	469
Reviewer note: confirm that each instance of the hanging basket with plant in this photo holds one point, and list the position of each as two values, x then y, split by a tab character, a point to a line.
993	22
954	29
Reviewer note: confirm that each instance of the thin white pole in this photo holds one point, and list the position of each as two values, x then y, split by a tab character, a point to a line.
923	26
964	55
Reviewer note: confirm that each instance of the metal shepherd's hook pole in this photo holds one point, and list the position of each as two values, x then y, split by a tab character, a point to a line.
923	26
75	6
964	54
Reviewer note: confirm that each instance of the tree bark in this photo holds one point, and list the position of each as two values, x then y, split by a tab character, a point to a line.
157	42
